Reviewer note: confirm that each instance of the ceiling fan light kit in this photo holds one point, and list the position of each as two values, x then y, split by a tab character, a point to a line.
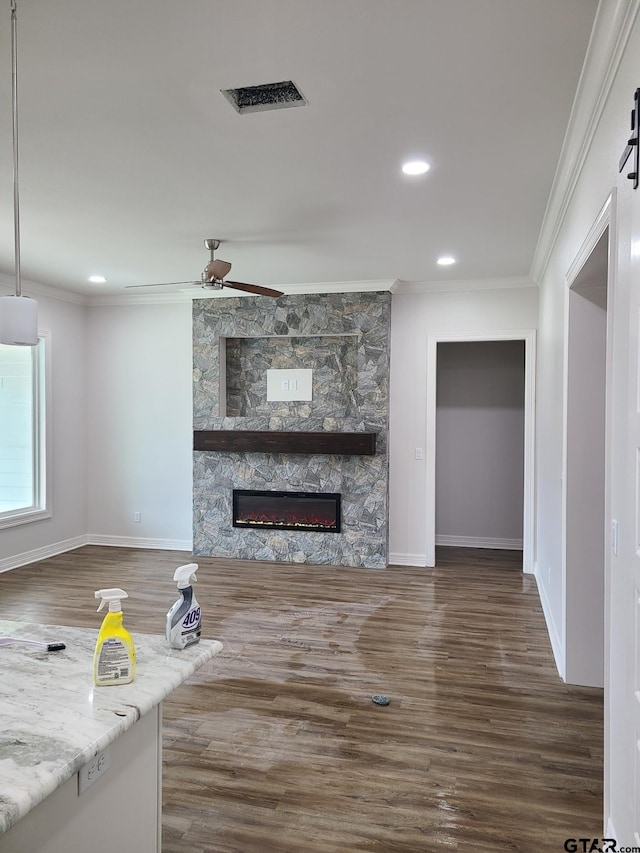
18	313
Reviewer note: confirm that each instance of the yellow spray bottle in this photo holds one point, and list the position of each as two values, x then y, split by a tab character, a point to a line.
114	661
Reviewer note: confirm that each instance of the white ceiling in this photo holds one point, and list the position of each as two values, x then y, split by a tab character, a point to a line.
130	156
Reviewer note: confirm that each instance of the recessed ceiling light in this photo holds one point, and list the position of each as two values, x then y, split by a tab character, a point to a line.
415	167
446	261
97	279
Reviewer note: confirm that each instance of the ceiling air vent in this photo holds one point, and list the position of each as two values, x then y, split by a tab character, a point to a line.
269	96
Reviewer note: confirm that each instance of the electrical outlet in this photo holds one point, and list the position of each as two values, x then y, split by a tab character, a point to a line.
92	771
136	517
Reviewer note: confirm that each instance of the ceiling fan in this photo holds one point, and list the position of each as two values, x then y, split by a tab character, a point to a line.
212	276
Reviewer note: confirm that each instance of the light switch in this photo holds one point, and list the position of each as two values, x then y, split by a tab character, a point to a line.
419	453
285	384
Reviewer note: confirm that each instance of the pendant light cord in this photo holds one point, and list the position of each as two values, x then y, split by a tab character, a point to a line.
14	103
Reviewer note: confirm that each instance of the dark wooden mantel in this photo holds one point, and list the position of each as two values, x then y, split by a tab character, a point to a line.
268	441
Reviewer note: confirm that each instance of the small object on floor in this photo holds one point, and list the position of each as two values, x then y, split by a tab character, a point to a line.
379	699
50	647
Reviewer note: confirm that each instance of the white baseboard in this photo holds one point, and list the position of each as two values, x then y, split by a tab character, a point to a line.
140	542
17	560
554	636
408	560
610	830
479	542
36	554
456	542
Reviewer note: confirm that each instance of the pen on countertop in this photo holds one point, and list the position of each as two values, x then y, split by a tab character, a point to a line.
50	647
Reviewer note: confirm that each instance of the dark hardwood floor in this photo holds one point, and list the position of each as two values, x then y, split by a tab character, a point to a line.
275	745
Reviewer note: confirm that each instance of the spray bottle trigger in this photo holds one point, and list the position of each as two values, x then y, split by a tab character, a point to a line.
113	596
185	575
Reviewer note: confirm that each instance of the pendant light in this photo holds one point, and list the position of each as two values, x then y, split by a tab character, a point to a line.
18	313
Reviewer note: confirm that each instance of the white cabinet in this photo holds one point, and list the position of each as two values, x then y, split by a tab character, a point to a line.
120	811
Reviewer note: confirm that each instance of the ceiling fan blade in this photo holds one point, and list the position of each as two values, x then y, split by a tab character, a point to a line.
162	284
252	288
217	269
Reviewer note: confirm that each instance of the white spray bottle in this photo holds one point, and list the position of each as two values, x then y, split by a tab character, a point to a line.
184	623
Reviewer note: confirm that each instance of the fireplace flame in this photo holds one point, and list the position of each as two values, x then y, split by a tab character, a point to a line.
266	519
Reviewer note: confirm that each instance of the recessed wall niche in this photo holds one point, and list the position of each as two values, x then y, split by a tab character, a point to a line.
333	359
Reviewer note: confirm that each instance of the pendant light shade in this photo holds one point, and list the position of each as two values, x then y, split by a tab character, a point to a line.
18	313
18	321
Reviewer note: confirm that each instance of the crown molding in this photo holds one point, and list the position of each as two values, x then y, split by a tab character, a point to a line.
139	299
339	286
463	284
32	288
602	60
188	294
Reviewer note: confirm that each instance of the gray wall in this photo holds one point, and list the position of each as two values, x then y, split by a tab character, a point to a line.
480	443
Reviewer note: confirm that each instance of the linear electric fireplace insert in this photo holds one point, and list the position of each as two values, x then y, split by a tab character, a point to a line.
319	511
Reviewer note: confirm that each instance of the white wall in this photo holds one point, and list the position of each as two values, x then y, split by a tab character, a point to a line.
596	180
414	317
121	417
139	419
65	321
480	444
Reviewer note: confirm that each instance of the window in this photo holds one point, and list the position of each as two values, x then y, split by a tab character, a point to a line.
22	434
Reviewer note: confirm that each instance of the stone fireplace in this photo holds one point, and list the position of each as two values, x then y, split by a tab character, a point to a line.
333	441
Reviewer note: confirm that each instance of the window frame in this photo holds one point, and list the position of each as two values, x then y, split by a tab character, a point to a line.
41	441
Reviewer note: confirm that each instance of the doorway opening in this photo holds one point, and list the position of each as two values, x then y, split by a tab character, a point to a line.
480	445
584	474
528	338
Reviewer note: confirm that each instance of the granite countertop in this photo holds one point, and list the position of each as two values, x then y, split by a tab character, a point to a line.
53	720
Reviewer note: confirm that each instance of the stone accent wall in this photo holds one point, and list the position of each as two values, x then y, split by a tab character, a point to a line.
344	339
